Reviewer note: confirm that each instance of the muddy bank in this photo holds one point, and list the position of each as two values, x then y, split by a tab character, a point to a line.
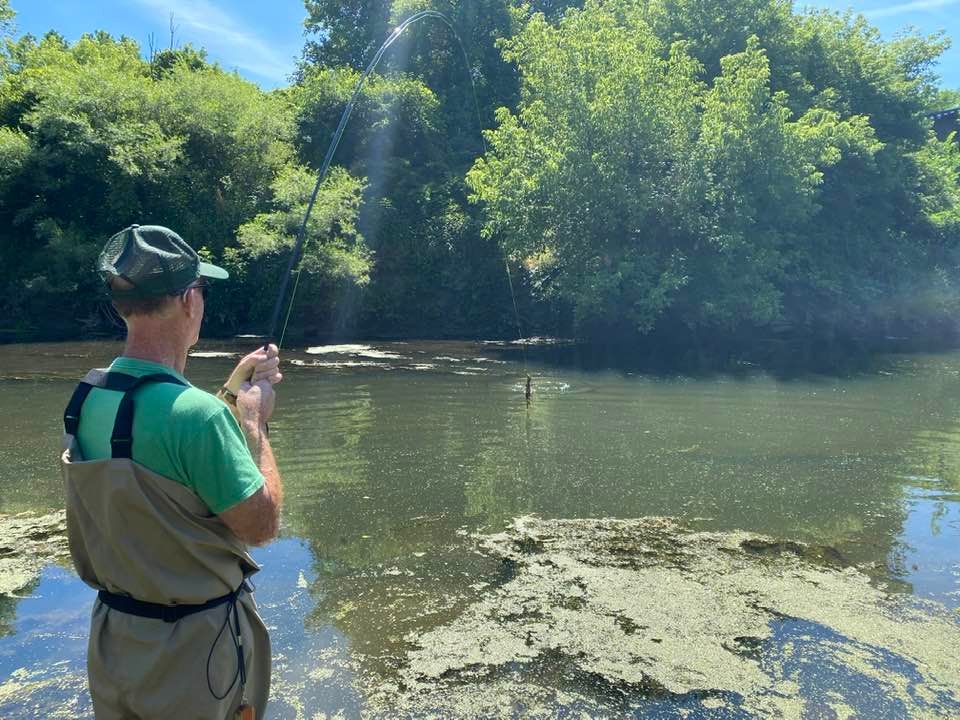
28	543
632	617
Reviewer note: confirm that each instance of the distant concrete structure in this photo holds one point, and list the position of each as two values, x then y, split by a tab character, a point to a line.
945	122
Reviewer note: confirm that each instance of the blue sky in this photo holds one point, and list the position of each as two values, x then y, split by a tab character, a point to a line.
261	39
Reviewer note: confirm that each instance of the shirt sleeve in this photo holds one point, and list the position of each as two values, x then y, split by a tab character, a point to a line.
218	463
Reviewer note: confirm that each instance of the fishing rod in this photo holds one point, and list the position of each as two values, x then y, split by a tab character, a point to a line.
324	168
328	158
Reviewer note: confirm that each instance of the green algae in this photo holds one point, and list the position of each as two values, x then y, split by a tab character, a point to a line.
608	618
52	692
613	614
28	543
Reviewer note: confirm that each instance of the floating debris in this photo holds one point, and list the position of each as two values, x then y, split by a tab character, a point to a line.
334	365
213	354
530	341
355	350
34	688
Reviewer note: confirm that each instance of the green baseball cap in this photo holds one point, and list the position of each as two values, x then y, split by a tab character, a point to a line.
155	260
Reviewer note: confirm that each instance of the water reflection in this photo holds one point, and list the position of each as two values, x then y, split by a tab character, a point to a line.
392	458
804	653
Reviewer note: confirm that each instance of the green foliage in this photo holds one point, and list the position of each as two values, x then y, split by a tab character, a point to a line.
413	133
335	258
709	165
95	138
721	166
168	60
945	99
348	32
7	15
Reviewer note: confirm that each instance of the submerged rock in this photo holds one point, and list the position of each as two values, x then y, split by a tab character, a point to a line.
28	543
623	616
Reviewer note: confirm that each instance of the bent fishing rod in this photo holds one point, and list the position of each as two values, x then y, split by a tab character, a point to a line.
328	158
325	167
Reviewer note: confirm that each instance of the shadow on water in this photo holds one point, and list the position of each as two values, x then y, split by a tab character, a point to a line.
781	358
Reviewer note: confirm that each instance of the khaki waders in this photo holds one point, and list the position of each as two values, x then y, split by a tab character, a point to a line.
164	640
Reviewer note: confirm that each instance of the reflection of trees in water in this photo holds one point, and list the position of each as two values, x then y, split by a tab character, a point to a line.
8	609
934	459
381	577
381	511
757	457
30	441
930	464
383	471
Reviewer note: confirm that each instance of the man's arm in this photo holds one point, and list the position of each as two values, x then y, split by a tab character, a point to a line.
256	520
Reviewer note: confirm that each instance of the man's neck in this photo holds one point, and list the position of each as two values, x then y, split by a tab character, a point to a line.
145	345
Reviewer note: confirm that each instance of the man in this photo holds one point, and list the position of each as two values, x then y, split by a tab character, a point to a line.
165	487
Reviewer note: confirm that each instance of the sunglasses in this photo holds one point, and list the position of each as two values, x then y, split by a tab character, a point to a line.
203	287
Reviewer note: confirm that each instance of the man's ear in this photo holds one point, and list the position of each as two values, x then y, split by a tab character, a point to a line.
192	302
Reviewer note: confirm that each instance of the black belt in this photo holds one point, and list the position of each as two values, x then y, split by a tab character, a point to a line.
173	613
158	611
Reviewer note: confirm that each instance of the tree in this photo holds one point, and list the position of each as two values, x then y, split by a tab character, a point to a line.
347	33
335	258
94	140
945	99
664	171
413	134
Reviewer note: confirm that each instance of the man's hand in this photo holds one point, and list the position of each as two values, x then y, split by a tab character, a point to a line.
255	402
259	365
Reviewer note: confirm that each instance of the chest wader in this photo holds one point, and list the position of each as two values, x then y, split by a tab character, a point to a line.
175	631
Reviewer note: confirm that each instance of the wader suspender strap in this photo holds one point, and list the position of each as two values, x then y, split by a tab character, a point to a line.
121	441
71	416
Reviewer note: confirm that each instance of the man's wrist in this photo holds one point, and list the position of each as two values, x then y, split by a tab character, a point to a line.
254	427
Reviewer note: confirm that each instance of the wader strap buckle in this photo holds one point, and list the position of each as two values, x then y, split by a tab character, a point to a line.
121	447
169	614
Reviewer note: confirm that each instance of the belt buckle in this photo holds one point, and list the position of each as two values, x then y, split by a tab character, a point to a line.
169	613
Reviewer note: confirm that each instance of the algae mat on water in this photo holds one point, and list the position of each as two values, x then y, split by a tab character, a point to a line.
27	544
620	617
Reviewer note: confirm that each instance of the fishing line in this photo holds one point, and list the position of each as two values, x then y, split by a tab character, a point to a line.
328	158
523	344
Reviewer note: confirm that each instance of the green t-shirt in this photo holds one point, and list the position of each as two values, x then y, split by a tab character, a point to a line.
182	433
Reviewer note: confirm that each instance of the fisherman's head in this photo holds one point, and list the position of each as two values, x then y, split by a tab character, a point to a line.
155	276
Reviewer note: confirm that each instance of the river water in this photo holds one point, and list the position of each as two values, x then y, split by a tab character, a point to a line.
393	453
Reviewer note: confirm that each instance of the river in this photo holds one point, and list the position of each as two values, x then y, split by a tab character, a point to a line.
394	454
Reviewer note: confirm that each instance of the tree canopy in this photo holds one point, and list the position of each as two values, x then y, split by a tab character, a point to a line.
693	166
762	168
